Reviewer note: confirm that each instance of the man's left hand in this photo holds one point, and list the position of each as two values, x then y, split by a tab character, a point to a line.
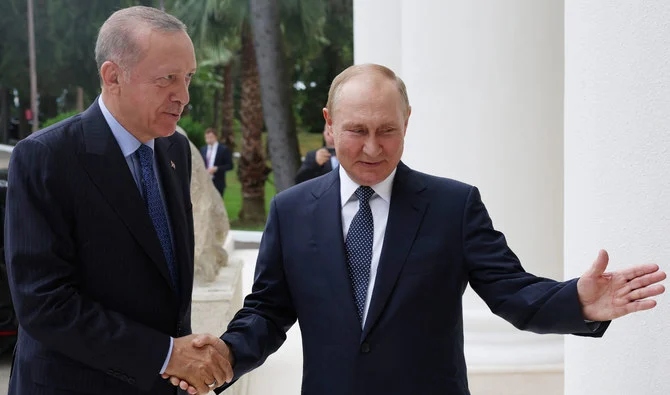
606	296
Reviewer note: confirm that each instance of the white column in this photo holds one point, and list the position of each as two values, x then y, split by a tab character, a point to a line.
617	180
485	81
378	32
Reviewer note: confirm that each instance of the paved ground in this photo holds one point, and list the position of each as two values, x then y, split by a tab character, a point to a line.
5	362
4	159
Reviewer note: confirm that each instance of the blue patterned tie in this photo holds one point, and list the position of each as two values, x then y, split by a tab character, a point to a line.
359	248
154	203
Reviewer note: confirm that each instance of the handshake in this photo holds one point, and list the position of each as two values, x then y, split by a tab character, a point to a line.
199	363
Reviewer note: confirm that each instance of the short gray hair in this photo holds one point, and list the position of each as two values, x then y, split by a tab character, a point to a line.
117	38
359	69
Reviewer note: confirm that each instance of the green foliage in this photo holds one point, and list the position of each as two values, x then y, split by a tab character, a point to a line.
194	130
58	118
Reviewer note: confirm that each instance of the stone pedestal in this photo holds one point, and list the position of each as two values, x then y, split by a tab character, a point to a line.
215	303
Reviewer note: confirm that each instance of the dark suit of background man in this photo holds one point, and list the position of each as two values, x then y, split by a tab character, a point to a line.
218	159
99	228
373	259
318	162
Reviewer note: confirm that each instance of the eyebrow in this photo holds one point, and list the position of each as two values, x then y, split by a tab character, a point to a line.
353	126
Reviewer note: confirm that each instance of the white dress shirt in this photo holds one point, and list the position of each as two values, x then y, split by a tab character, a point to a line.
379	204
211	154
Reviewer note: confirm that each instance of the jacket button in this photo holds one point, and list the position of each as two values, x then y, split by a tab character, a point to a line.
365	347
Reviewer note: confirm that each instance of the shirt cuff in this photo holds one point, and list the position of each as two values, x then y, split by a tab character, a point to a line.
593	325
167	359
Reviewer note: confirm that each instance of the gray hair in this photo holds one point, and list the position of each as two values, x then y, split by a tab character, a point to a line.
359	69
117	39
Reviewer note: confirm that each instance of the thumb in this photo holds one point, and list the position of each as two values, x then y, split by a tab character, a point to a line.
599	265
205	340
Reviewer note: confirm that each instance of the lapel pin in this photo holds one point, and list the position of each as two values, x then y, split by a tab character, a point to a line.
172	165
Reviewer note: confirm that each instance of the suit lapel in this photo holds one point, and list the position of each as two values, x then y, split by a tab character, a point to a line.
104	162
174	201
330	246
405	215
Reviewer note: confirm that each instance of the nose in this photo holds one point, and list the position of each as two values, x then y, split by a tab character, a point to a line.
181	94
371	147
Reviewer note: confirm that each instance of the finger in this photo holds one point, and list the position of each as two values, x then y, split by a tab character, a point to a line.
165	376
640	305
646	280
204	340
221	369
174	381
183	385
202	388
646	292
639	271
192	390
599	265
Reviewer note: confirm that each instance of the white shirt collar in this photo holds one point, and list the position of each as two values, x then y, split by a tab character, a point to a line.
348	187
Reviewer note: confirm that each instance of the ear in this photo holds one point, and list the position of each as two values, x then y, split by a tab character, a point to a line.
110	74
326	116
409	112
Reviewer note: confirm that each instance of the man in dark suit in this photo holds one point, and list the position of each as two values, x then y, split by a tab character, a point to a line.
218	159
99	228
372	261
318	162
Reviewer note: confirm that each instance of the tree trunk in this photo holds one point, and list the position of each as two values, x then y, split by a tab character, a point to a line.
80	99
276	92
228	107
215	108
4	115
33	72
251	169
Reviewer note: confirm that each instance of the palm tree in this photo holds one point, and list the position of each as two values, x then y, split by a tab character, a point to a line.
215	22
222	60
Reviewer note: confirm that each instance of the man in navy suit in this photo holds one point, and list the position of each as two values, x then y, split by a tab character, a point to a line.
99	228
372	260
218	159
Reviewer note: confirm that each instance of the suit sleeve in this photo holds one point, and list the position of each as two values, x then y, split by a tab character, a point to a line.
259	328
43	275
309	168
226	161
528	302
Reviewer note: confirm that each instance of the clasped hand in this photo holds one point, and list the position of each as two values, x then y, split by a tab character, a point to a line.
199	363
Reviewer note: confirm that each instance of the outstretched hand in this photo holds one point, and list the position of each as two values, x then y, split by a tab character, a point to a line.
605	296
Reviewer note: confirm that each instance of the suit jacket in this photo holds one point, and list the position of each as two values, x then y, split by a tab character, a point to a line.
439	238
310	169
89	279
224	162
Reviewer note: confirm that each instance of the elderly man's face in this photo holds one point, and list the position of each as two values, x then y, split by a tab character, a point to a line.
154	91
368	124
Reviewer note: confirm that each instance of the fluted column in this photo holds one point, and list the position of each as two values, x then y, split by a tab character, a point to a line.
617	180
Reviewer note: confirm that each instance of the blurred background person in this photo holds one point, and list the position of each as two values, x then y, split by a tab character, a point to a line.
218	159
320	161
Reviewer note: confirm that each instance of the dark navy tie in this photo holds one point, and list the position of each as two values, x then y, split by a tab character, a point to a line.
154	203
359	248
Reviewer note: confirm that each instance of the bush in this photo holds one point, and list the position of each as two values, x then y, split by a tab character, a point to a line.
194	130
58	118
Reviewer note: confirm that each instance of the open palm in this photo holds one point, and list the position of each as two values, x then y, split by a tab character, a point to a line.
606	296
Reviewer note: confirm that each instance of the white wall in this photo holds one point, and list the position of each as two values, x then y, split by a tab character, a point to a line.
617	180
